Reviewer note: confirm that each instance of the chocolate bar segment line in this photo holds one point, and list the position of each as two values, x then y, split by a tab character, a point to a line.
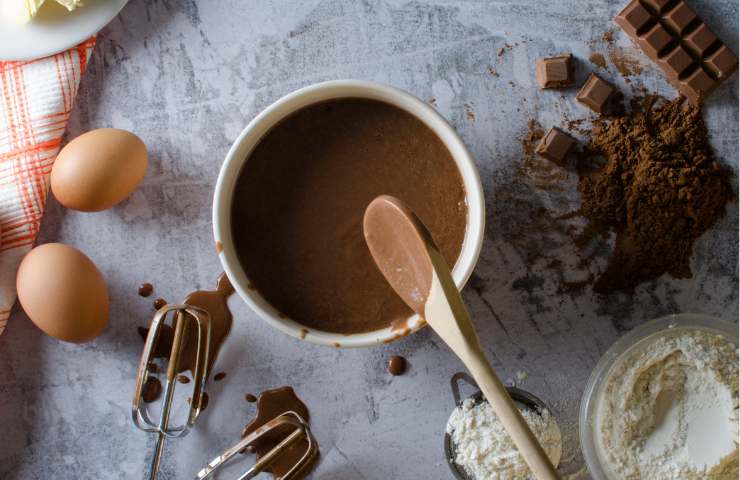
674	37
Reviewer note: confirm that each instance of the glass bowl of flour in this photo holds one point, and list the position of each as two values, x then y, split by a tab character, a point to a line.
662	403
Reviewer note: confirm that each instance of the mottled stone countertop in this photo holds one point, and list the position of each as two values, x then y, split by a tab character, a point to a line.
187	76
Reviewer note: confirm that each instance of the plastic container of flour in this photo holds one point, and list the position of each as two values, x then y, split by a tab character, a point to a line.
625	347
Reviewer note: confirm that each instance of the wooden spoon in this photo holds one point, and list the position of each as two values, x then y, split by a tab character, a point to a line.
407	256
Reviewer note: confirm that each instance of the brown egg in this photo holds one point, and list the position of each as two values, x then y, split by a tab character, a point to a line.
63	292
98	169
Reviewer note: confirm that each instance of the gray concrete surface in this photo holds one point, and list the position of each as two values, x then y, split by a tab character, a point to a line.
187	76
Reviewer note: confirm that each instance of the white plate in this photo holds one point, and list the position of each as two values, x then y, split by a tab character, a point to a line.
55	29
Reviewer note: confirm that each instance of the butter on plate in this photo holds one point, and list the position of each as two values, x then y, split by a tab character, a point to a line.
22	11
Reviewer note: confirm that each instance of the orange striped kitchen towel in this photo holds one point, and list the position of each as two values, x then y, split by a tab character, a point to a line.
36	101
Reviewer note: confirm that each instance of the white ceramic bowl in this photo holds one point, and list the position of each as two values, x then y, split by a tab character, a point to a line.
260	125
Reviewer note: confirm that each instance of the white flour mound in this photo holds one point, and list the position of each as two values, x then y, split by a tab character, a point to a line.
669	410
483	447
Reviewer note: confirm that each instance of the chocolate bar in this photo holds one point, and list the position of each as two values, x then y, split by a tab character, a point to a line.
595	93
554	72
694	60
556	145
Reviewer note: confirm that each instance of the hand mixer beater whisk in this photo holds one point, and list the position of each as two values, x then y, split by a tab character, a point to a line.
184	317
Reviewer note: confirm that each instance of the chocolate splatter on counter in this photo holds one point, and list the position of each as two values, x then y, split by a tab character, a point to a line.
152	390
397	365
145	289
159	303
183	379
660	189
219	376
271	404
250	398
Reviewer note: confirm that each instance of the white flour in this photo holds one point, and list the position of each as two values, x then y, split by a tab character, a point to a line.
669	410
485	450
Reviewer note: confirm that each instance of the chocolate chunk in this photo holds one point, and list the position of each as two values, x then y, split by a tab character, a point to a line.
655	41
697	86
679	19
633	18
700	40
595	93
689	53
722	63
556	145
554	72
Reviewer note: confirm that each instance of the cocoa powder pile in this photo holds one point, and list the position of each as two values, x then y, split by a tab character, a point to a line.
651	177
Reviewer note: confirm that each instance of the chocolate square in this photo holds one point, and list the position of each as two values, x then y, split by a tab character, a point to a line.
655	41
595	93
555	145
722	63
676	62
554	72
700	40
697	86
679	18
633	18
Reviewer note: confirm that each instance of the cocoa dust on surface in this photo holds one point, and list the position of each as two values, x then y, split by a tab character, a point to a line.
598	60
651	177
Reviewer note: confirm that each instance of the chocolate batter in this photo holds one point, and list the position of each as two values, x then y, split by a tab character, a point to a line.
300	199
270	404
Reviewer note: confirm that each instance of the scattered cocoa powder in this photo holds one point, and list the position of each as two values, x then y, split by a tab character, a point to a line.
538	171
625	64
651	177
534	134
598	60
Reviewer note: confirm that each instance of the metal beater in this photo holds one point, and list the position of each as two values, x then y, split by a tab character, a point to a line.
181	316
287	419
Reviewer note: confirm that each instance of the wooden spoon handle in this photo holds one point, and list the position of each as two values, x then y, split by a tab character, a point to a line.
510	416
